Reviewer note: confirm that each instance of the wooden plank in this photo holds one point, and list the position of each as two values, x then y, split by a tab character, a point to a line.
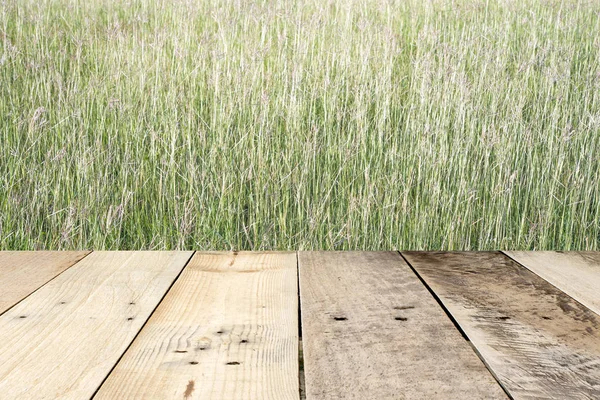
228	329
23	272
63	340
538	341
575	273
371	330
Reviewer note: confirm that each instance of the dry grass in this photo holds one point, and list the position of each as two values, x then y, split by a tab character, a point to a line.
229	124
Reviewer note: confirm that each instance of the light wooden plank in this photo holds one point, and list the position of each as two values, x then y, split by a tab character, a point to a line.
539	342
371	330
22	272
63	340
228	329
575	273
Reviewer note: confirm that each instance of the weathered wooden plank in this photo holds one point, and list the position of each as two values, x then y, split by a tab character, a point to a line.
22	272
228	329
63	340
371	330
539	342
575	273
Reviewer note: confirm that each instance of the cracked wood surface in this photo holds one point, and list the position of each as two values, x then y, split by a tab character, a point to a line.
228	329
539	342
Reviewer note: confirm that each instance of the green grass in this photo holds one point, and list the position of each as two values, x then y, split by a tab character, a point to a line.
300	124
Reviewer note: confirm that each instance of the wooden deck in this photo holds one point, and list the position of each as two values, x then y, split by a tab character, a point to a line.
286	325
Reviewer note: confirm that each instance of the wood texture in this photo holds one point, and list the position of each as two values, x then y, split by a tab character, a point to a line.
575	273
371	330
539	342
22	272
63	340
228	329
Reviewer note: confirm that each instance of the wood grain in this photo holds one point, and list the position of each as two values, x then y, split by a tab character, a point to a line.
63	340
23	272
228	329
575	273
371	330
539	342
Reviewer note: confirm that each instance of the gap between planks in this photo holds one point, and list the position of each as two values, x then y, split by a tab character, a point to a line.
65	338
540	342
577	273
226	329
541	268
372	330
24	272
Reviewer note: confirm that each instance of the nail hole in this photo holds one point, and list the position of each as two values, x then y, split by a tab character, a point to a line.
131	303
219	332
193	362
503	318
63	302
23	316
201	348
233	363
130	319
401	319
243	341
340	318
546	318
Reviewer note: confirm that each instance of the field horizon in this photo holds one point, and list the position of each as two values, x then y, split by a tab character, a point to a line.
275	125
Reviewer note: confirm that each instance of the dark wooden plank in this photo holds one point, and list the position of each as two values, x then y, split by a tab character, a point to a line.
539	342
371	330
577	273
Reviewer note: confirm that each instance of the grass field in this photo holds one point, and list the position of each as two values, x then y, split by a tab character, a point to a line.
304	124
